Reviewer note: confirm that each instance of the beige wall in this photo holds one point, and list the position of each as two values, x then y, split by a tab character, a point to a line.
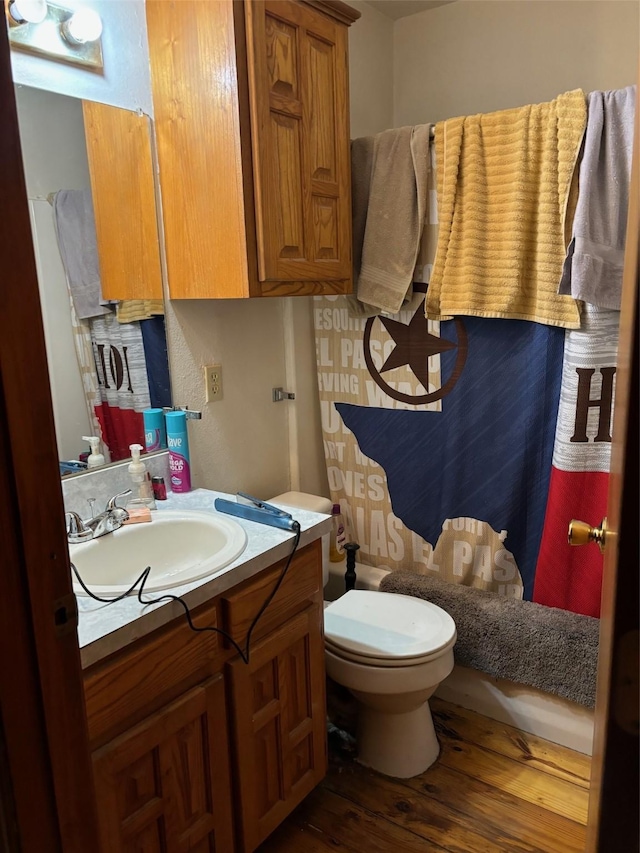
370	71
242	441
471	57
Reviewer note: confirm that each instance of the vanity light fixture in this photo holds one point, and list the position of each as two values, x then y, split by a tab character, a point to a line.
63	34
28	11
82	27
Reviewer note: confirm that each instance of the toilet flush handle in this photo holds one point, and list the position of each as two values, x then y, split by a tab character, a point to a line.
350	574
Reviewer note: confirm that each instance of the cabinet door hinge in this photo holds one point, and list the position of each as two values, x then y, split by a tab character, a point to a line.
65	614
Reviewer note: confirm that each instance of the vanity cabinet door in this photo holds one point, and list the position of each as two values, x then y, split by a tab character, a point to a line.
164	785
280	727
298	87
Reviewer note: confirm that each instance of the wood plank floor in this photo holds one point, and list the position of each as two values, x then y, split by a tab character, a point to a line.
494	789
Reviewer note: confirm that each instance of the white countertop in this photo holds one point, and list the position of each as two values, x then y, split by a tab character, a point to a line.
105	628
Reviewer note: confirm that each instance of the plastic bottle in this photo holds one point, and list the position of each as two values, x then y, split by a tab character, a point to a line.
95	458
338	536
178	442
141	494
155	433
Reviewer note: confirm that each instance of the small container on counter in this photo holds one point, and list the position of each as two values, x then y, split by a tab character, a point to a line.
159	488
178	441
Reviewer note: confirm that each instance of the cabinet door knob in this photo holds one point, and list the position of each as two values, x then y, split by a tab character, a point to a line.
581	533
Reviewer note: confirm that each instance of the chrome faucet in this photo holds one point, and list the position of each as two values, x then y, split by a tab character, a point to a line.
113	517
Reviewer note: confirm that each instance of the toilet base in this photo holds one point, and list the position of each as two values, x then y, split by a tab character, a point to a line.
400	745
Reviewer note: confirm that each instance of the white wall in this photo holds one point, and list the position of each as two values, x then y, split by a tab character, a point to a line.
484	55
55	157
125	80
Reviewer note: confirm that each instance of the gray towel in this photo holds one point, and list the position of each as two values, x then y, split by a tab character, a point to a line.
593	268
76	231
362	152
389	213
545	647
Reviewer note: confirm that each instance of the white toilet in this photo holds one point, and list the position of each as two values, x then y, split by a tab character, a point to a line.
391	651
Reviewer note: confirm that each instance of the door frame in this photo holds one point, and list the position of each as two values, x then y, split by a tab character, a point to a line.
46	760
613	793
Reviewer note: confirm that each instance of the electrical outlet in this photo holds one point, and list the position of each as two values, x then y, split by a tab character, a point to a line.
213	382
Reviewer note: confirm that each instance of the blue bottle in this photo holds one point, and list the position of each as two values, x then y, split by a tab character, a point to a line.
155	434
178	443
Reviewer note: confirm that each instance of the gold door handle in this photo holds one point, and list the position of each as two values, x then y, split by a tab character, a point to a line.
581	533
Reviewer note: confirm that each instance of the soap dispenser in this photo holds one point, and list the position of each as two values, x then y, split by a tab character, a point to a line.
95	458
142	494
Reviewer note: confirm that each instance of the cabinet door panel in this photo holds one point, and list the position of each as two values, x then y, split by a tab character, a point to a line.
321	112
287	221
280	741
197	110
164	785
282	58
298	81
301	586
124	203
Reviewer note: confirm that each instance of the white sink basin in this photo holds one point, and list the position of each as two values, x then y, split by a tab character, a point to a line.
179	546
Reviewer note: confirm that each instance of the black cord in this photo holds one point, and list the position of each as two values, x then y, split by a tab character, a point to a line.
244	653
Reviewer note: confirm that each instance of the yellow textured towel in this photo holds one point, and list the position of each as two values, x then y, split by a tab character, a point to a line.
131	310
504	205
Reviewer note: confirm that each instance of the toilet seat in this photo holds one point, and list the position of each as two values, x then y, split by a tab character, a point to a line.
387	629
367	660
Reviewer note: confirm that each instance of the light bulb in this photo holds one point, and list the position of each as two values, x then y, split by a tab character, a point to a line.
28	11
83	26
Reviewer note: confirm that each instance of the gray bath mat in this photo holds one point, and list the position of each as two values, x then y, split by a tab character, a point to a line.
544	647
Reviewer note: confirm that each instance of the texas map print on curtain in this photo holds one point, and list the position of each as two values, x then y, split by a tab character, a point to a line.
438	439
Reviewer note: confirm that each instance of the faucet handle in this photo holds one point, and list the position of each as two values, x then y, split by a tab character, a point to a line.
111	503
77	530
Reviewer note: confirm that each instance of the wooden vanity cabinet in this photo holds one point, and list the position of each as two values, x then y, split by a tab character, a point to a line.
279	717
193	749
163	785
252	123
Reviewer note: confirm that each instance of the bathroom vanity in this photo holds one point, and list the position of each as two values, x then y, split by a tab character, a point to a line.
192	748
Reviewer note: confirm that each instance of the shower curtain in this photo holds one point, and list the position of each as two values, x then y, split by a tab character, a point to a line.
445	472
461	449
124	385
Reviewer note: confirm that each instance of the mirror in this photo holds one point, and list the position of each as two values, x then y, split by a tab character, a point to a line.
91	193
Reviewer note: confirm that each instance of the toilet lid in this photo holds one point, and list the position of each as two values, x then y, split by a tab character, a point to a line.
387	625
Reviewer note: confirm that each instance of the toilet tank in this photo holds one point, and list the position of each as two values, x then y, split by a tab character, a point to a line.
367	577
313	503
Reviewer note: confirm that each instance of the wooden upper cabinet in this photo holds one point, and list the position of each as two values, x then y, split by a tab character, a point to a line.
252	123
298	97
124	205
